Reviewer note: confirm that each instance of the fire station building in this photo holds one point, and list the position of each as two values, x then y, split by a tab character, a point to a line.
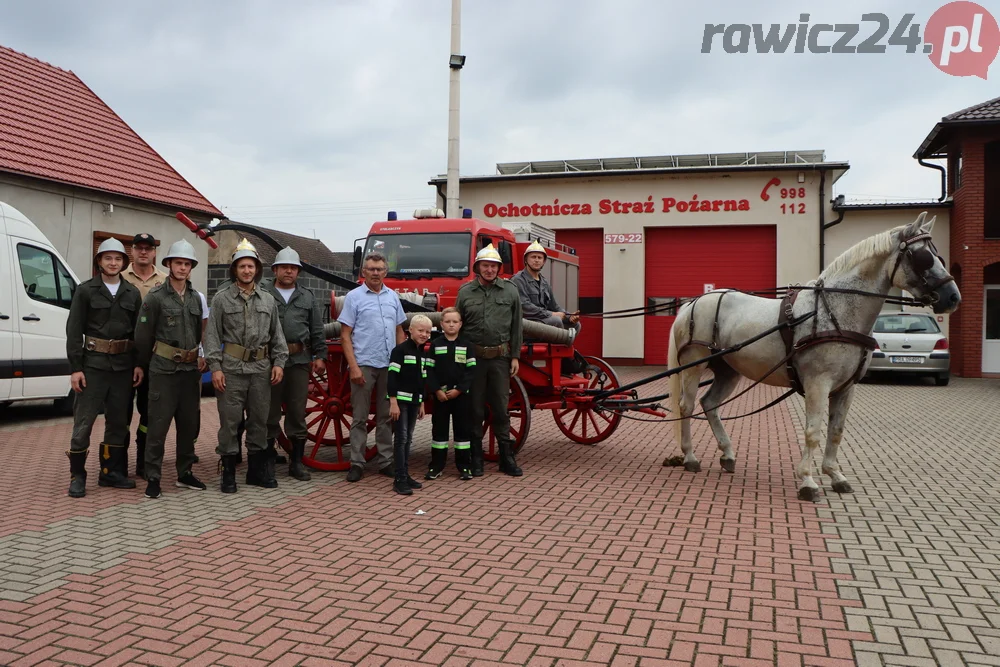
650	229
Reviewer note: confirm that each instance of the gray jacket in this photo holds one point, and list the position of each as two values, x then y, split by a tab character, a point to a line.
537	300
251	322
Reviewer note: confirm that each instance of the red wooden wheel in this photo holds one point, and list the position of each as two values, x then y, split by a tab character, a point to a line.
519	410
579	421
328	420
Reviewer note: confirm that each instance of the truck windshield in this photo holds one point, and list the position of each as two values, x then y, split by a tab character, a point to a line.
417	255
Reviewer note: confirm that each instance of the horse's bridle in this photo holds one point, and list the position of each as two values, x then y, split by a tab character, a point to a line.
922	260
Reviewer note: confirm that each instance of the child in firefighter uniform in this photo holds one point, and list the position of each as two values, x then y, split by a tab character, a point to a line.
450	365
407	379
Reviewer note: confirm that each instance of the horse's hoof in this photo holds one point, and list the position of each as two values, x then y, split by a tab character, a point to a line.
673	461
842	487
809	494
728	465
692	466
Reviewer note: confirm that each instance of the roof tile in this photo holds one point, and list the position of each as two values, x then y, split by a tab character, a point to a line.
989	110
56	128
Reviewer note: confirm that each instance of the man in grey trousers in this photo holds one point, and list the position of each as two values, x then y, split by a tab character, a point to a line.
371	321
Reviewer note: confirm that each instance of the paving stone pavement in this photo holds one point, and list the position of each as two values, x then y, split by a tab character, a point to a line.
921	534
598	556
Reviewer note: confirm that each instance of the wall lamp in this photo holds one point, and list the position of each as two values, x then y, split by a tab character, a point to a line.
456	61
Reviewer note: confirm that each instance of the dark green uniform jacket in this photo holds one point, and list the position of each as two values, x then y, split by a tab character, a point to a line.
170	319
94	312
491	314
301	322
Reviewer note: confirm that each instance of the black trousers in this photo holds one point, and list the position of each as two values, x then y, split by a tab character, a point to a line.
140	395
456	414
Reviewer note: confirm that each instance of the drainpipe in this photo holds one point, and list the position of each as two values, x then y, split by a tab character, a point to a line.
839	201
944	177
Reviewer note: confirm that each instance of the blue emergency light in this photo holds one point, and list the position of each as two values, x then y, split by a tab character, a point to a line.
392	216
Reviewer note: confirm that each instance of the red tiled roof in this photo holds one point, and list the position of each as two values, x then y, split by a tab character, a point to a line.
52	126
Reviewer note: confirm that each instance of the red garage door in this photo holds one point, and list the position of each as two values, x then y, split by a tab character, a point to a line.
589	246
680	261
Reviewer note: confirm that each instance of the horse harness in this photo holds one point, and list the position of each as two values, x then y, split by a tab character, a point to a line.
835	335
921	261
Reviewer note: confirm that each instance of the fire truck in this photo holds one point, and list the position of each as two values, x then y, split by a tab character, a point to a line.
429	257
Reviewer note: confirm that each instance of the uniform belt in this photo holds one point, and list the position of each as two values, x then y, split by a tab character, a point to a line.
92	344
175	354
492	351
295	348
243	354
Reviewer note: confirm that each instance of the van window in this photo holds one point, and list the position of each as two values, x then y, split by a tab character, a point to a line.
44	278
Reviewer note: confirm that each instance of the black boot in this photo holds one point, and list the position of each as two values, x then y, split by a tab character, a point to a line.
439	457
278	456
477	459
463	460
140	455
508	464
295	467
257	469
228	465
78	473
113	465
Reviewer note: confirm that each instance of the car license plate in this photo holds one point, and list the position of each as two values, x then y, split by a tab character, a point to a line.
906	360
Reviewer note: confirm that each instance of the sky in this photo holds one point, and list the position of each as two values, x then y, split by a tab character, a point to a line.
319	117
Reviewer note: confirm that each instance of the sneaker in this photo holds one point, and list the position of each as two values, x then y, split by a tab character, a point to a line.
413	484
189	481
355	474
433	474
153	488
465	475
402	488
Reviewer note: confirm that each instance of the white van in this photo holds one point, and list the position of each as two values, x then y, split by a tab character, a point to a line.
36	289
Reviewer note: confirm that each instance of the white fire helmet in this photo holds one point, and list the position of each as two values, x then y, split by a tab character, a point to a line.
181	250
111	245
286	256
487	254
245	249
535	247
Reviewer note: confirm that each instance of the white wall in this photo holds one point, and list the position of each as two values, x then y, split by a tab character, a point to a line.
69	217
859	225
797	233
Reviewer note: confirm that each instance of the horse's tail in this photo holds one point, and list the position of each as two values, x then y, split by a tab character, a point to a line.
674	381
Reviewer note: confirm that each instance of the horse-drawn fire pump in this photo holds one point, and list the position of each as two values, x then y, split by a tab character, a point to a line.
428	259
818	345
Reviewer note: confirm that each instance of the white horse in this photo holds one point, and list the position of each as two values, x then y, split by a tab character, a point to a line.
828	352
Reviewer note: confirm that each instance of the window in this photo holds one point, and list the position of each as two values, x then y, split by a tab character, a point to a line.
991	190
44	278
955	168
906	323
423	255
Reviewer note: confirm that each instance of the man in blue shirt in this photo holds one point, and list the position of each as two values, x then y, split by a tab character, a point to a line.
371	326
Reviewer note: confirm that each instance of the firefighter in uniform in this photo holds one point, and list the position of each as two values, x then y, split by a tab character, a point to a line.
491	315
144	262
167	339
302	325
100	346
245	348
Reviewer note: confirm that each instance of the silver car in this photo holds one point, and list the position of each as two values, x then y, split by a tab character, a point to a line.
911	343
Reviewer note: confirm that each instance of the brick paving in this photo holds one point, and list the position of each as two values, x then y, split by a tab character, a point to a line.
921	536
598	556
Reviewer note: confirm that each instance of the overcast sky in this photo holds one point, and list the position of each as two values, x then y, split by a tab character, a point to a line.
321	116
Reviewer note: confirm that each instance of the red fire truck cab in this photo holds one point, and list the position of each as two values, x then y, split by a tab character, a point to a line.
430	257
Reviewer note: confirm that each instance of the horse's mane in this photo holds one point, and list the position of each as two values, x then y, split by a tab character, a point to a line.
879	245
